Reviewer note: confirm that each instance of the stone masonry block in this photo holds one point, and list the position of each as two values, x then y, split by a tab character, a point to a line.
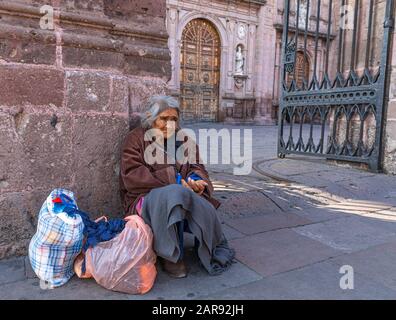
87	91
129	8
46	140
27	51
34	86
16	224
146	67
13	162
97	144
142	90
89	58
119	95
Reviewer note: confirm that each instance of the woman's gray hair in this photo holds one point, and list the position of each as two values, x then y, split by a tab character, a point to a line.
155	106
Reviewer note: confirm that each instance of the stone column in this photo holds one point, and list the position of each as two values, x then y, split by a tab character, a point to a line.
265	64
67	93
172	23
390	128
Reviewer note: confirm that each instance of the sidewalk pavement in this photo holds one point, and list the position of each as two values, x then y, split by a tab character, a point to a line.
293	222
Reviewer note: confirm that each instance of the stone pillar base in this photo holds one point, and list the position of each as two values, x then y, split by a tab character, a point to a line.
265	121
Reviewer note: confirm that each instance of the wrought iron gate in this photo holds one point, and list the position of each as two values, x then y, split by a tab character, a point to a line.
335	109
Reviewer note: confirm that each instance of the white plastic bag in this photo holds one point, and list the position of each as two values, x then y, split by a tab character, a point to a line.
126	263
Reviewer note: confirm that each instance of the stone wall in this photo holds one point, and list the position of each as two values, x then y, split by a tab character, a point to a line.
66	97
390	128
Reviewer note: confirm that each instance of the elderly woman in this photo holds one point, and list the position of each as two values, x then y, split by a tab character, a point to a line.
172	197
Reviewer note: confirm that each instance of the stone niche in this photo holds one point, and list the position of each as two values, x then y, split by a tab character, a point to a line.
67	95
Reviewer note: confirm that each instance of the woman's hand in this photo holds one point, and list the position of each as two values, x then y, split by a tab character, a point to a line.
196	186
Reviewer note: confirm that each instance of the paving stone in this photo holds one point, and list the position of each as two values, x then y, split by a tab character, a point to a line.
231	233
229	182
377	263
295	167
289	198
378	188
11	270
29	272
347	234
357	207
279	251
198	282
385	219
313	181
319	214
246	204
268	222
337	174
381	219
349	183
318	281
75	289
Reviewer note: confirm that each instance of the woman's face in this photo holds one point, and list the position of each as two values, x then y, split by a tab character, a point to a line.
168	117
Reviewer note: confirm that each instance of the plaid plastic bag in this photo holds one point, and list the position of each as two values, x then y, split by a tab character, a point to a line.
57	242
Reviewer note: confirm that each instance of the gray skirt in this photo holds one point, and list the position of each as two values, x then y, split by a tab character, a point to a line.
164	207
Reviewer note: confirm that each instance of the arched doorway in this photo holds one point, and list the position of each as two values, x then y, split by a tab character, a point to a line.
302	70
200	71
301	77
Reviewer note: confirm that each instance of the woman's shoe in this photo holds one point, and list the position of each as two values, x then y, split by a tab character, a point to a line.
175	270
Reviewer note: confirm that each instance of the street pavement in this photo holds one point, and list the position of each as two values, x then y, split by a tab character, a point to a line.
296	224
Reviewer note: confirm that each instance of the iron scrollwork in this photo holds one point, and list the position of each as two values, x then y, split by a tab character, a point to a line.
290	56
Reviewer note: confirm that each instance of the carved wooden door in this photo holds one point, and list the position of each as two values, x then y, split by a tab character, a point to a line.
200	71
302	70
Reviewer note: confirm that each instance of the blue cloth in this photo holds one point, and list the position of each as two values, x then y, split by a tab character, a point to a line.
193	176
95	232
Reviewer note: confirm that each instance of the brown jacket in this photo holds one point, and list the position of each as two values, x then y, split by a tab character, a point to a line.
137	178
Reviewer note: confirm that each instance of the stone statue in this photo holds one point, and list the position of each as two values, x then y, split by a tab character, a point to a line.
302	14
239	61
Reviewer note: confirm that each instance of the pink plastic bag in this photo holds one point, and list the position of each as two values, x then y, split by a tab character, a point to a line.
127	262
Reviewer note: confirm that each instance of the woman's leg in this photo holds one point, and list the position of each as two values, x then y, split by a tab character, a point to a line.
176	203
187	229
180	230
178	269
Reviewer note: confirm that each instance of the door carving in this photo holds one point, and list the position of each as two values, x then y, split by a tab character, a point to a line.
200	71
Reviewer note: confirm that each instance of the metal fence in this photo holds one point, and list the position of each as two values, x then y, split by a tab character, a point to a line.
334	78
